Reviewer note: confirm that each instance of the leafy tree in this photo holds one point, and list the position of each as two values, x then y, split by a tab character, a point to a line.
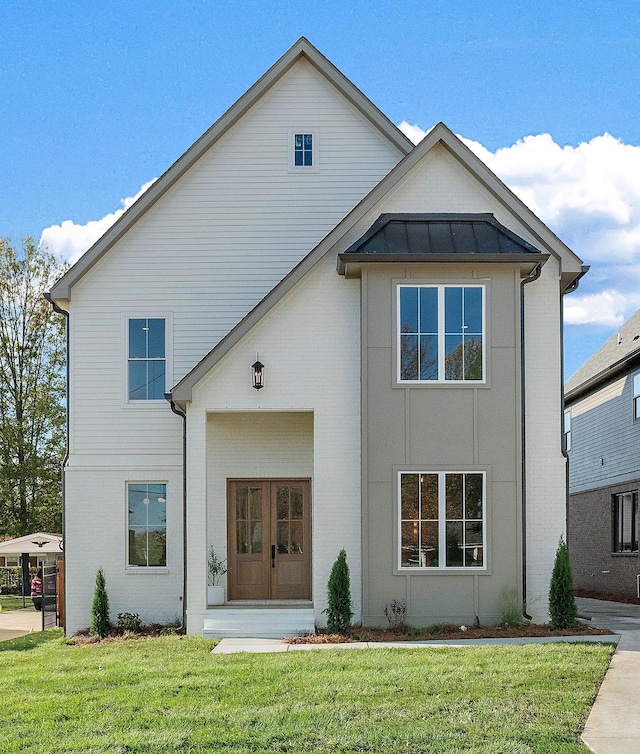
32	392
562	603
100	608
339	611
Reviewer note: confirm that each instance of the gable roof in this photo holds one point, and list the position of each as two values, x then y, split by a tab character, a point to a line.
40	542
570	264
619	354
301	49
439	237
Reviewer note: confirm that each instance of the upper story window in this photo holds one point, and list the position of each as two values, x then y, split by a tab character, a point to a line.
147	524
636	396
441	336
567	430
625	522
147	359
442	519
303	150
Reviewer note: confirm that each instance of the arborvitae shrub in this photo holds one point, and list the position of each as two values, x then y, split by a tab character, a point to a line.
562	603
339	611
100	608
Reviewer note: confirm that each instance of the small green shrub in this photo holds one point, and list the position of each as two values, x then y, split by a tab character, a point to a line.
562	603
129	622
100	608
435	628
339	612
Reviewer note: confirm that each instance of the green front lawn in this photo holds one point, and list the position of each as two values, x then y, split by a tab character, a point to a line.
14	602
171	694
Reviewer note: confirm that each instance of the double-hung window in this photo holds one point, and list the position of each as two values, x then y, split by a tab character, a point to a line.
442	519
636	396
147	363
147	524
441	333
625	522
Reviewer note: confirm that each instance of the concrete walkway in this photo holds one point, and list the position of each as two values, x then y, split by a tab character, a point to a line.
15	623
613	726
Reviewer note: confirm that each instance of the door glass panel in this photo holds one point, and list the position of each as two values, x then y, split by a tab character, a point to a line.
283	503
242	546
296	503
283	537
256	537
296	542
241	504
255	504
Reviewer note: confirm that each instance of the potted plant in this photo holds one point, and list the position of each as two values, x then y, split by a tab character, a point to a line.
216	569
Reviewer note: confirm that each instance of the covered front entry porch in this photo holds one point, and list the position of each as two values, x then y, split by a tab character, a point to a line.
259	517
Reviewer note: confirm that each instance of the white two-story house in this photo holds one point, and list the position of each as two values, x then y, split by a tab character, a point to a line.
310	334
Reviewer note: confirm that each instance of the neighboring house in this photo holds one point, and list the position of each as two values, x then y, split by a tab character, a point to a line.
42	549
602	426
393	300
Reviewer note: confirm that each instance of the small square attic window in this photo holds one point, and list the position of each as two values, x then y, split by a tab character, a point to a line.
303	150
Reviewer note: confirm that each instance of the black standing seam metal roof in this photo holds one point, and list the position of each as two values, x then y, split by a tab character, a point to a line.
439	234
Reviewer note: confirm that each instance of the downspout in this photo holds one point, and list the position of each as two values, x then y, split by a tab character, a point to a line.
65	460
179	412
535	274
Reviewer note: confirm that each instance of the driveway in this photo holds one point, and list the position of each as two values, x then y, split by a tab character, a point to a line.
16	623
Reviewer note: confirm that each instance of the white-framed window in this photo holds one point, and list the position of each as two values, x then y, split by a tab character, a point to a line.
146	359
303	150
441	333
626	521
146	524
636	395
442	519
567	430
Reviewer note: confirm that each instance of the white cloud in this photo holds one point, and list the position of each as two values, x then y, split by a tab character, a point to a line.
70	240
589	195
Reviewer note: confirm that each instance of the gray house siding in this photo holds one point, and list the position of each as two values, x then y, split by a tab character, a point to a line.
464	427
605	438
604	460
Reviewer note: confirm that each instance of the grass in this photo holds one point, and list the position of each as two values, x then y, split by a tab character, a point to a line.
171	694
13	602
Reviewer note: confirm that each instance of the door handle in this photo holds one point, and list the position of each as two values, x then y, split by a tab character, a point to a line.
273	556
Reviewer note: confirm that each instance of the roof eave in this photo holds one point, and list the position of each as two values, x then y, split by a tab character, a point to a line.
628	362
350	264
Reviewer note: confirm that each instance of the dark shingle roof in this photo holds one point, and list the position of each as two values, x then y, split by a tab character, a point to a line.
439	237
620	352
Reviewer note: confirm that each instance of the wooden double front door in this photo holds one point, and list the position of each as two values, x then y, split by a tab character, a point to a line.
269	539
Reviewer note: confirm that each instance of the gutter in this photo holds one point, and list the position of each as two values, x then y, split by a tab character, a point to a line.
65	460
535	274
180	412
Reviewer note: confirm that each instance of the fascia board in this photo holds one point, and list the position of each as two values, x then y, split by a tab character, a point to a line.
302	48
526	261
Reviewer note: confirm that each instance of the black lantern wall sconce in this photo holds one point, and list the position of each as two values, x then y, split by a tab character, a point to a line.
257	374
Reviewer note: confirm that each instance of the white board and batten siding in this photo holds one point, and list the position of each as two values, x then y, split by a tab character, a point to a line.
201	257
305	422
604	437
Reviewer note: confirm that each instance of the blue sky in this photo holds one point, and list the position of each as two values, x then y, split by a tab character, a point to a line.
98	98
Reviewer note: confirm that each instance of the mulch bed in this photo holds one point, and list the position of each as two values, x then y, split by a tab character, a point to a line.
449	631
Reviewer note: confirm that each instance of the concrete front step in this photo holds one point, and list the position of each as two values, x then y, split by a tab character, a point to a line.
261	622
